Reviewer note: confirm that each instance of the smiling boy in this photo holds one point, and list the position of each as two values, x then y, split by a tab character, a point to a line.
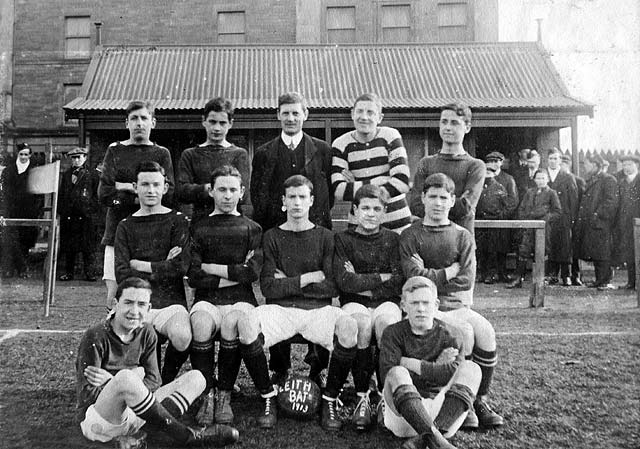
197	163
118	383
153	243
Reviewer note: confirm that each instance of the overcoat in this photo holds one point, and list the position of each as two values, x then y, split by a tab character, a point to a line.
628	209
77	205
560	228
592	231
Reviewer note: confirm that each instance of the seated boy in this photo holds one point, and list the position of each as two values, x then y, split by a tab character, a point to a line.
118	378
297	281
226	259
366	265
153	244
444	252
427	383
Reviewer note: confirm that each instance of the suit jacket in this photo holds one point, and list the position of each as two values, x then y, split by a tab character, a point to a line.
592	230
268	176
509	183
560	228
79	199
628	209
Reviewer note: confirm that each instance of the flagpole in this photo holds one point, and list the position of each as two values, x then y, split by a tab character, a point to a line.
50	269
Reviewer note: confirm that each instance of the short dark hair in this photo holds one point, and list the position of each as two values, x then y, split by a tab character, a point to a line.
218	104
292	98
131	282
298	181
370	191
461	110
149	167
370	96
439	180
224	170
554	150
139	104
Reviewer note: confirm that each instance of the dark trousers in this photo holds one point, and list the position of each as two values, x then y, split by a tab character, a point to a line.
602	271
554	267
88	261
575	269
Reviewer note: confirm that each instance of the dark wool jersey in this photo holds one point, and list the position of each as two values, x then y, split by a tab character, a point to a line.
101	347
370	255
467	174
439	247
119	165
295	253
399	341
226	240
194	170
150	238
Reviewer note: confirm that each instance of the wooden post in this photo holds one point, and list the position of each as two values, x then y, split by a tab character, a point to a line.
50	273
537	294
636	239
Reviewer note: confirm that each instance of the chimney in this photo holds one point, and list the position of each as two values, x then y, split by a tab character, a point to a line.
539	20
98	33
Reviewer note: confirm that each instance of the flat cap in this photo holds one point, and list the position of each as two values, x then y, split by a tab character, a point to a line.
494	155
78	150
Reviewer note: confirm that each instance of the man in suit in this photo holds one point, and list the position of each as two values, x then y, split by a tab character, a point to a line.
628	209
565	165
78	203
560	228
592	236
293	152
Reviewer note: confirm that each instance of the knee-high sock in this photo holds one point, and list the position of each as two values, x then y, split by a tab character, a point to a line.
487	361
339	367
317	358
408	402
256	363
280	357
203	358
457	400
173	360
156	415
362	369
229	359
176	404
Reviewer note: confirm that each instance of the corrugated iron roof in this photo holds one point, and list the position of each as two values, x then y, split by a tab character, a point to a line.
484	75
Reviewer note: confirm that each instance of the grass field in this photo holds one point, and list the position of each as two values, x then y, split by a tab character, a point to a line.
568	374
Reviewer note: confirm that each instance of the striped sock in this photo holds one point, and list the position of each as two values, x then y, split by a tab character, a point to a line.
157	416
487	361
176	404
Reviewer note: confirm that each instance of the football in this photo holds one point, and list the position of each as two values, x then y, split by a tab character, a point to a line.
299	397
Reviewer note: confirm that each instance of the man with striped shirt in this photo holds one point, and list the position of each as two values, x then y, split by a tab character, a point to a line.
372	154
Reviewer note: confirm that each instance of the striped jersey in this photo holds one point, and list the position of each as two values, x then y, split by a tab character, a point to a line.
381	161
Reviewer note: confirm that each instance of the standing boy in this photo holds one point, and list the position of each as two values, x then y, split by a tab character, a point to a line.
226	259
118	379
466	171
372	154
116	189
153	243
196	164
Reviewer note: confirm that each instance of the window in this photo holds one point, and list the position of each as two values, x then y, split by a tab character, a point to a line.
396	23
77	37
71	91
452	22
231	27
341	24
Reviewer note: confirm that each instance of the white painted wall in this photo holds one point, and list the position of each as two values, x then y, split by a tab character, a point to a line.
595	45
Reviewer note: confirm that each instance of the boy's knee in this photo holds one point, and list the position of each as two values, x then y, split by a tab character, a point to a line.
194	379
180	337
126	380
248	329
202	326
347	331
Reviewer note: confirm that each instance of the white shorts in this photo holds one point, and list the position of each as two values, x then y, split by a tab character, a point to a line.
386	308
109	269
399	426
159	318
281	323
96	428
217	313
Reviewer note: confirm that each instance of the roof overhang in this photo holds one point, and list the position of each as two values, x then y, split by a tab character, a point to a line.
496	79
